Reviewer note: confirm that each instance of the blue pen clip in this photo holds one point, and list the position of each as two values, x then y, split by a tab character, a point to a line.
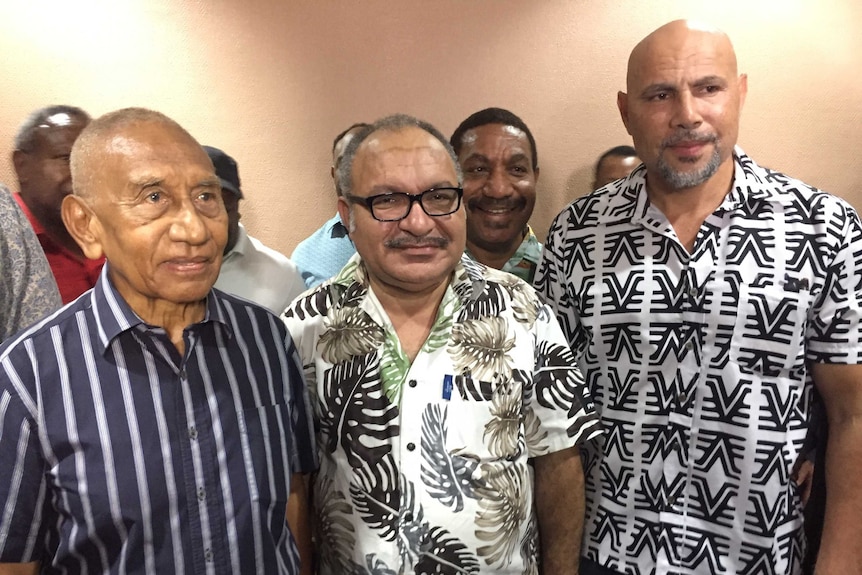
447	387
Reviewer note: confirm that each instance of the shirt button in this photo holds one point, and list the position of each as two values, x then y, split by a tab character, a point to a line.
681	398
411	446
692	293
193	433
689	345
202	493
408	518
208	555
412	383
182	374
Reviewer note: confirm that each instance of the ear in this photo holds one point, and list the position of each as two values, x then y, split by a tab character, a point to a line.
623	105
743	89
344	212
19	160
83	226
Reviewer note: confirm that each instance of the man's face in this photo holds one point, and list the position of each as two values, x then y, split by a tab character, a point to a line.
499	186
231	206
43	172
419	252
158	216
613	168
683	104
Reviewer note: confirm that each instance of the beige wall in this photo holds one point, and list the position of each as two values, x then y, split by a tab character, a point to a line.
272	81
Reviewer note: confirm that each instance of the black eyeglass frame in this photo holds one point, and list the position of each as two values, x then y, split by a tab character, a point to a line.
368	202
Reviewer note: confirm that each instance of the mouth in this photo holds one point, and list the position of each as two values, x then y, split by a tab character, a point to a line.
689	145
188	266
419	244
495	209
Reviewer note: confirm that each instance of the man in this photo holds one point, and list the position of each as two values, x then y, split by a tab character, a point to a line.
498	156
706	298
614	164
250	269
322	255
435	380
27	288
41	160
154	425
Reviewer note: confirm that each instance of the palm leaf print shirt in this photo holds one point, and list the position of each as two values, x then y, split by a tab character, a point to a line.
699	364
424	466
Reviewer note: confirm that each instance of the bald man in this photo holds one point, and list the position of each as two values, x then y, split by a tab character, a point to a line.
708	297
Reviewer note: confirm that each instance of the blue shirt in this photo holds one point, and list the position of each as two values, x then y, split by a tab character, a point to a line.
322	254
119	455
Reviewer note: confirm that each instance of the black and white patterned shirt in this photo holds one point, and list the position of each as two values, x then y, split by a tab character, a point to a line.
698	364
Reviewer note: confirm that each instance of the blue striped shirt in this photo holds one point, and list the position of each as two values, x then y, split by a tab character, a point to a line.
120	456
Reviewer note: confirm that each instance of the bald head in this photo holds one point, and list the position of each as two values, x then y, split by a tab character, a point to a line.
682	106
680	38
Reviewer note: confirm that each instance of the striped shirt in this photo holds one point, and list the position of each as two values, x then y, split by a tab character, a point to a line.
120	456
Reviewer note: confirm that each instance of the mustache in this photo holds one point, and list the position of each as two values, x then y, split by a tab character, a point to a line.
688	136
409	242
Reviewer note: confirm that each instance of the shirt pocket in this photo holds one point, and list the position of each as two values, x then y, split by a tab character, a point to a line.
484	420
769	333
265	438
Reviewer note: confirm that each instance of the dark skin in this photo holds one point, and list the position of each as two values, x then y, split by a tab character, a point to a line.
44	177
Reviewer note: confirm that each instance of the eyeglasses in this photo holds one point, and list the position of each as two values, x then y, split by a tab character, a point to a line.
394	206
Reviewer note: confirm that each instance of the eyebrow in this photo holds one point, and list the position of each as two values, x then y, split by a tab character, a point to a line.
385	189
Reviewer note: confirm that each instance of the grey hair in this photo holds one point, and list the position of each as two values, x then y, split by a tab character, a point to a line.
393	123
87	149
25	138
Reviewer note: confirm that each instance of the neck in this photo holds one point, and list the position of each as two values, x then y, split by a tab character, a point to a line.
495	256
695	202
174	318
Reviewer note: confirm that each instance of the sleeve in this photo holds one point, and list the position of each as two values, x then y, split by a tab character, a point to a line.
22	488
834	331
27	287
560	411
304	451
551	281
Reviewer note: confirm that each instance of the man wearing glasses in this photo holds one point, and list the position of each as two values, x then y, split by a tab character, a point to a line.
436	381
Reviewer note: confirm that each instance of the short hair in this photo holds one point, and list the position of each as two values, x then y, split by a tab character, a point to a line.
92	138
616	151
347	131
25	138
393	123
493	116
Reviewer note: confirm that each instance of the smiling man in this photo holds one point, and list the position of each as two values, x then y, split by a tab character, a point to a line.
498	156
448	403
708	297
154	425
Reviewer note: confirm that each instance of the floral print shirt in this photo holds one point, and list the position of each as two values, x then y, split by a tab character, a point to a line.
424	466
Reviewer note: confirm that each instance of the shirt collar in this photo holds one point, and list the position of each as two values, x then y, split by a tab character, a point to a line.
627	200
114	316
241	246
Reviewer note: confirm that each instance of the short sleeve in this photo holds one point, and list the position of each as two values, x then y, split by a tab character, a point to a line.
834	331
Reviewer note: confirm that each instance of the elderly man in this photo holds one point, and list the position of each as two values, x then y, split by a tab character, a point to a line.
41	159
436	382
27	288
154	425
249	268
615	164
707	297
322	254
498	157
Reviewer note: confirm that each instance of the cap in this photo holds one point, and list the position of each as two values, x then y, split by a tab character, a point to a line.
225	169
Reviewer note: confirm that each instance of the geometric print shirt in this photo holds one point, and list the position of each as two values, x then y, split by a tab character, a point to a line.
120	455
424	466
698	365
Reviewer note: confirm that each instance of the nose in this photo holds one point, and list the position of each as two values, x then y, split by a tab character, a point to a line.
497	185
417	222
687	115
188	225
